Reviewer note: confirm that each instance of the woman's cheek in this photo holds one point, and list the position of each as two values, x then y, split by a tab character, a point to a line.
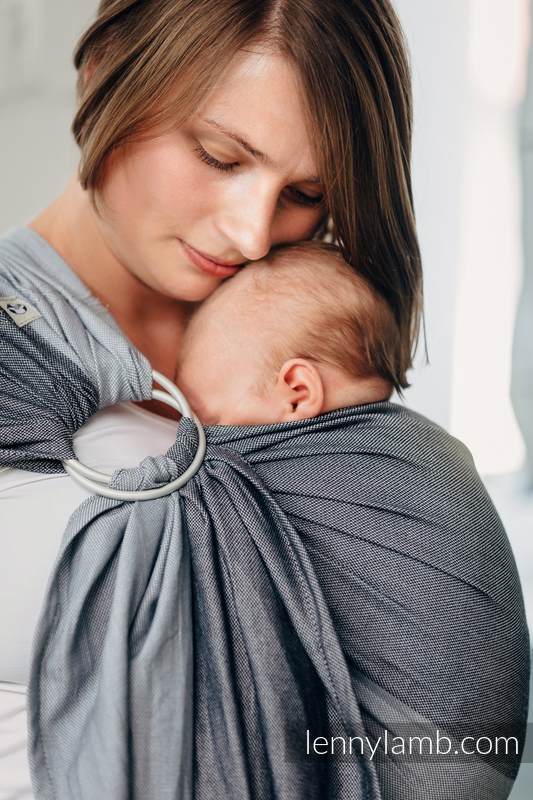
169	185
153	177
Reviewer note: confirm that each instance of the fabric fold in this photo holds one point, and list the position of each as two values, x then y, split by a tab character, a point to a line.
111	690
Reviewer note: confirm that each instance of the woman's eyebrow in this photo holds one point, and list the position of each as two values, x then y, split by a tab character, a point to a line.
262	157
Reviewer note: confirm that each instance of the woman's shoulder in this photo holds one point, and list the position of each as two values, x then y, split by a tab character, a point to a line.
29	263
56	315
20	248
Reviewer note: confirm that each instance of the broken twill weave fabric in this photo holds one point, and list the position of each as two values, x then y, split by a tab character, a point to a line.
321	581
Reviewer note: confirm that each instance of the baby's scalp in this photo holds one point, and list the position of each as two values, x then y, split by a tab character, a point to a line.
303	300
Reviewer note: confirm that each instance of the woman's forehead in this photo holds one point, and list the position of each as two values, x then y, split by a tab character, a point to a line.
259	102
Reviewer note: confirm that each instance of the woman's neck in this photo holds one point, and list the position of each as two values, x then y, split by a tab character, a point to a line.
153	322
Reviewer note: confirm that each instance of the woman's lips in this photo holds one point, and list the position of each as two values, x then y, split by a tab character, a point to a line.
206	264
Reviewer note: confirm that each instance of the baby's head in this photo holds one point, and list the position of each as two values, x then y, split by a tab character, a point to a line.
289	337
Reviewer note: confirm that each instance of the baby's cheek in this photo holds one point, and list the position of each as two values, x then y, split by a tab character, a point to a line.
250	410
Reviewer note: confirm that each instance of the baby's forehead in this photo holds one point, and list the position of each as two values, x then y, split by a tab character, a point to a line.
266	292
244	293
224	314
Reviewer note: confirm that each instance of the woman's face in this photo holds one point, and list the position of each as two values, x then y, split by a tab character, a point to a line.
234	180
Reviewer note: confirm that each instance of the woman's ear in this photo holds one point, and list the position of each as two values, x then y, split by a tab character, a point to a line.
300	390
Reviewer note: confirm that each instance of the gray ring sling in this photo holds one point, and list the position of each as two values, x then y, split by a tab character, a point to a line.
345	576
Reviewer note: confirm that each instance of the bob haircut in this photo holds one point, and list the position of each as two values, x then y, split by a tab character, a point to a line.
146	64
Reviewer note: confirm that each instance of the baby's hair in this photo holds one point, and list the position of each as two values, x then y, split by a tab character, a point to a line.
336	316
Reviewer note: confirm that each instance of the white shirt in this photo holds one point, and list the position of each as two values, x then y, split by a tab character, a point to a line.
34	510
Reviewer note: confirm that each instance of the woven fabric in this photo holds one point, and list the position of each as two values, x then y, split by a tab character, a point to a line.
61	368
345	576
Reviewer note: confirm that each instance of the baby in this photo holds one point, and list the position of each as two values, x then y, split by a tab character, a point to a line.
292	336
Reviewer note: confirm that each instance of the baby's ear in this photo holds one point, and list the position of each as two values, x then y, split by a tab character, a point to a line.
300	390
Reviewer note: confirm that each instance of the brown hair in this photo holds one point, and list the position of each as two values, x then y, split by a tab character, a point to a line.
155	60
325	311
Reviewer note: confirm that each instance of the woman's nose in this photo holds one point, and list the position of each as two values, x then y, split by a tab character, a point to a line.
248	225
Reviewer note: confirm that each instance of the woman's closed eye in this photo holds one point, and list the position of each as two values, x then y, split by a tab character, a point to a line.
305	199
207	158
230	166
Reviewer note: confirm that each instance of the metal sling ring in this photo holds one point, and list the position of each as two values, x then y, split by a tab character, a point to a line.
98	482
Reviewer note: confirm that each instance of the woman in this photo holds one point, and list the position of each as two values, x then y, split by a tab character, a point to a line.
186	175
210	131
161	181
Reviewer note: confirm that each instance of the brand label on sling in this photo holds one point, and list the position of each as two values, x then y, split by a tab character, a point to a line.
19	310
